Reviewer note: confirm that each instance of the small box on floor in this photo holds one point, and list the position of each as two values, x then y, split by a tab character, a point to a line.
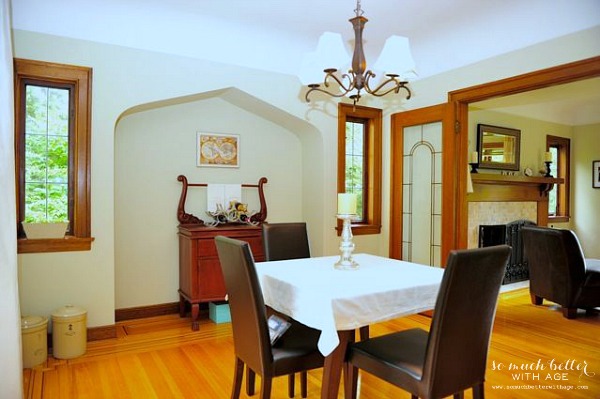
219	312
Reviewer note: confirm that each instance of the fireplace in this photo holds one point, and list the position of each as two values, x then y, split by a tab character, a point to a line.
501	205
509	234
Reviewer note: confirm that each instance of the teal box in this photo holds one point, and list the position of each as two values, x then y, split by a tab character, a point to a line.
219	312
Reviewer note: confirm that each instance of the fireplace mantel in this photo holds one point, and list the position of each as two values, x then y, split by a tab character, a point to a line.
489	187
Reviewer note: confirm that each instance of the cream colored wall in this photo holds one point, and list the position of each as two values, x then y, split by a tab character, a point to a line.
151	149
585	147
126	78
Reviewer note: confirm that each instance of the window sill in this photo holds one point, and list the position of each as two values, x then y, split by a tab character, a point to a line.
67	244
361	229
558	219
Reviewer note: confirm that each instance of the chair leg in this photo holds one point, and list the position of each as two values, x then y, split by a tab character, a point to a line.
237	379
364	333
478	391
569	313
250	378
459	395
291	385
350	381
536	300
265	387
304	383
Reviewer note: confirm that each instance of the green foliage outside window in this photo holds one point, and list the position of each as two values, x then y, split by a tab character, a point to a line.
355	159
46	154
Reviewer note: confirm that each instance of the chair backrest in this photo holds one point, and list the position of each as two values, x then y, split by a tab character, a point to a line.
463	318
556	263
285	241
246	304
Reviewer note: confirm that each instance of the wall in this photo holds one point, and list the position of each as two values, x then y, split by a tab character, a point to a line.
586	209
152	148
126	78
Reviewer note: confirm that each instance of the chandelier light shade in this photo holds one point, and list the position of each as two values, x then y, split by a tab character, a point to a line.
331	56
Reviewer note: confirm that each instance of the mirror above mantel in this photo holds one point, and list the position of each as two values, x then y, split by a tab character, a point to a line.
498	147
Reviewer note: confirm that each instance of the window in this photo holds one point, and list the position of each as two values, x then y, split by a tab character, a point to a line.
558	197
52	144
359	164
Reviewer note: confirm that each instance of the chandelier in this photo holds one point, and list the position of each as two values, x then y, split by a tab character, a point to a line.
395	59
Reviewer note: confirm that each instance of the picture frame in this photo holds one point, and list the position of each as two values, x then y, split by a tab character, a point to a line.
217	150
596	174
498	147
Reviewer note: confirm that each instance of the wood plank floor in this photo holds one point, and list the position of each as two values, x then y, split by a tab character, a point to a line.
162	358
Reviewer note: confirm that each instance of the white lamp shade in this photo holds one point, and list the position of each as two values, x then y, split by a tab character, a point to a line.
396	58
330	53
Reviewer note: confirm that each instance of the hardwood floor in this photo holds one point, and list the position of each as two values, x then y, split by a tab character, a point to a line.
162	358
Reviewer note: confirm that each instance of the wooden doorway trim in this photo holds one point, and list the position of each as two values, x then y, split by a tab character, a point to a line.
459	101
435	113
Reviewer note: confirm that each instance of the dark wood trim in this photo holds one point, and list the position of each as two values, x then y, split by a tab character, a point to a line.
373	152
79	238
435	113
459	100
102	332
141	312
503	188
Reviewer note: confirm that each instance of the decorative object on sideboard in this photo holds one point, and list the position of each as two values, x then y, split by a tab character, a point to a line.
596	174
346	211
548	162
235	213
185	218
395	62
498	147
474	161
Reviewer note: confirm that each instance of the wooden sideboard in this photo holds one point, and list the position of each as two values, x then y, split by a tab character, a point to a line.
200	275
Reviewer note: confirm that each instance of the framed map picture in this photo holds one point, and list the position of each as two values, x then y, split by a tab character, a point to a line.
218	150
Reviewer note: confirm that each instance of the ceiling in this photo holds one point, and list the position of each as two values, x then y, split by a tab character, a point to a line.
571	104
273	35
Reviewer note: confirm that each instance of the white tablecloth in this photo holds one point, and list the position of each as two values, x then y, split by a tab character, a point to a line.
313	292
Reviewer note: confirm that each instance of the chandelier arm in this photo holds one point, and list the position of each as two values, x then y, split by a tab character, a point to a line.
391	78
330	74
318	88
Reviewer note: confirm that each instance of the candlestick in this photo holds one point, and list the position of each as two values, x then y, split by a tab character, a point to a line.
346	246
547	169
474	157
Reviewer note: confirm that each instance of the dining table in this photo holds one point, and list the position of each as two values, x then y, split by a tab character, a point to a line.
337	302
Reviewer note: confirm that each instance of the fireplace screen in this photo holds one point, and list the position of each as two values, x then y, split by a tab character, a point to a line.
510	234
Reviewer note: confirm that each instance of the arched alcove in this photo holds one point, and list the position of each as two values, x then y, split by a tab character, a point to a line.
156	142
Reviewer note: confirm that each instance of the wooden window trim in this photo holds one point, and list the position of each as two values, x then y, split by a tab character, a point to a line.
563	190
372	200
79	238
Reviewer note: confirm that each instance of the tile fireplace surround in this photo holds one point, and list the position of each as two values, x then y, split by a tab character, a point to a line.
500	199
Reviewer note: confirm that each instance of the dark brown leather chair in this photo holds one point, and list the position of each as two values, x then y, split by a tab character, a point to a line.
452	356
558	271
283	241
294	352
